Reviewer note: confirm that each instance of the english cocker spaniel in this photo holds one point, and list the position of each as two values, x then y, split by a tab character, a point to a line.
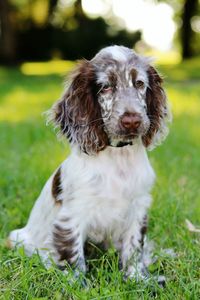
112	111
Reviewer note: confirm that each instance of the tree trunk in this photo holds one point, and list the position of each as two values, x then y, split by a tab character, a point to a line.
189	9
7	37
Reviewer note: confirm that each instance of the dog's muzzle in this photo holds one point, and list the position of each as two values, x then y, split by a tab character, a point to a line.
130	123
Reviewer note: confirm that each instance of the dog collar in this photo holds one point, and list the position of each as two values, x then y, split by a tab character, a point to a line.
121	144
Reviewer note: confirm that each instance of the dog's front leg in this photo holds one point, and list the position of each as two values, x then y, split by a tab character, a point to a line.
68	241
132	250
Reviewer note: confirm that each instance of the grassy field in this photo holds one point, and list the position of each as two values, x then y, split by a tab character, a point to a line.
30	152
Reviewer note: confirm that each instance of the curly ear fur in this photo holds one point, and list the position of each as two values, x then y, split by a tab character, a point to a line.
78	114
157	110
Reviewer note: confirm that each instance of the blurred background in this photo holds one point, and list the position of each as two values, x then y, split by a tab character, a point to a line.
38	30
40	41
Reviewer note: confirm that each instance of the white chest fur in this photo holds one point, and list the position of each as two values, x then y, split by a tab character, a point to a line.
109	188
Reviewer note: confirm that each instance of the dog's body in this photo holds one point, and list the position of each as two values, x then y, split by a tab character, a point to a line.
101	192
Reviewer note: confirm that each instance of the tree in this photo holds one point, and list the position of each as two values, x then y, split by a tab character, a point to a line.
185	10
189	10
7	34
35	29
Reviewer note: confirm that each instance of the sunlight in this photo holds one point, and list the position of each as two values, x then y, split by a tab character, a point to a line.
20	105
154	19
171	57
184	102
95	7
46	68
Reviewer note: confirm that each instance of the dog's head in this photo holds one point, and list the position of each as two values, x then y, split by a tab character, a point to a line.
115	98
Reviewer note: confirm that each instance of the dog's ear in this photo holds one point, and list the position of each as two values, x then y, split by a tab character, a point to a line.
157	110
78	113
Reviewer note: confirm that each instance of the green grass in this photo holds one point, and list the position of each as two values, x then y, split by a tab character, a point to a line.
29	153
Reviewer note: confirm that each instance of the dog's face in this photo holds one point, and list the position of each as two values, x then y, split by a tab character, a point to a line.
122	82
116	97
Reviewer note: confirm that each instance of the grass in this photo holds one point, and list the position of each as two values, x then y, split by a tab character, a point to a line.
29	153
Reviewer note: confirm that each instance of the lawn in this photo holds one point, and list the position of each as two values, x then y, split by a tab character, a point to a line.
30	152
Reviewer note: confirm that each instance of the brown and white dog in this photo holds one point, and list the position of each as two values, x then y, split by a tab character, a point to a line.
113	110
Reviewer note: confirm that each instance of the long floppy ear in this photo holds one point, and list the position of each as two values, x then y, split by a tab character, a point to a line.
78	114
157	110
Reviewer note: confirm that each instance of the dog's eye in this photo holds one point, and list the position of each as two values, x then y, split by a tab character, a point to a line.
107	88
139	84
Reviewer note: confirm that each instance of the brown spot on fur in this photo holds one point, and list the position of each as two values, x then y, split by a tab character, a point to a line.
56	187
65	243
143	230
113	80
133	75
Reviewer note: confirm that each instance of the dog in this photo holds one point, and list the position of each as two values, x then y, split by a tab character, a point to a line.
113	109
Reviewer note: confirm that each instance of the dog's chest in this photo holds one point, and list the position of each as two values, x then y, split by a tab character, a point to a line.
106	187
121	191
122	174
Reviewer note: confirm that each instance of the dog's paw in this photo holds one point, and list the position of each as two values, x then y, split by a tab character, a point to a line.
137	273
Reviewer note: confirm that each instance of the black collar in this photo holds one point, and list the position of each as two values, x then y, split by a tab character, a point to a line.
122	144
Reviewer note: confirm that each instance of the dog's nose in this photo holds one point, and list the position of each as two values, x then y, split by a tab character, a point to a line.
131	121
